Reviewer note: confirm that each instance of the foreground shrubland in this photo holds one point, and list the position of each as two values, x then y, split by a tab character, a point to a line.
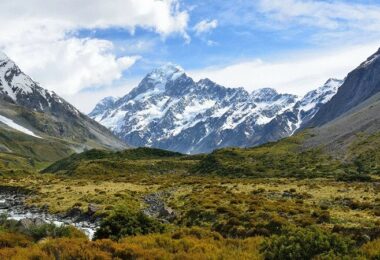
191	243
277	201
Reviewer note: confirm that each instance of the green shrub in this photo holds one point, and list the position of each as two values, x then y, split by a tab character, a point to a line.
53	231
306	243
123	223
354	178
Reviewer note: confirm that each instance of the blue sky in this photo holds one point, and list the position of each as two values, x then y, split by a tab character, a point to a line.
85	50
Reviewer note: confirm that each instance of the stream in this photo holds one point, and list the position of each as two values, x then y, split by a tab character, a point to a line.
12	205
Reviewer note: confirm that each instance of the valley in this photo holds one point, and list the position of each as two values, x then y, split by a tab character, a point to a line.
190	130
297	183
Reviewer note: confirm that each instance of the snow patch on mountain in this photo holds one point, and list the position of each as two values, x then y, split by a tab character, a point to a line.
310	104
10	123
12	81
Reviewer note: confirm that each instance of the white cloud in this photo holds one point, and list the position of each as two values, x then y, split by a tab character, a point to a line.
211	43
296	73
330	15
41	36
67	66
162	16
205	26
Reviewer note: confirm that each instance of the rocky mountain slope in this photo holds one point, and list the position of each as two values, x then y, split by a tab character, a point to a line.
31	116
360	84
169	110
353	113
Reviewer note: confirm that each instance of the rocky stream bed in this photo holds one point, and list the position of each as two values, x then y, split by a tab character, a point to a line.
12	204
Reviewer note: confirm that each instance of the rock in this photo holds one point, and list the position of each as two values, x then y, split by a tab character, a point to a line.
365	238
157	208
74	213
93	208
166	212
4	206
45	208
26	223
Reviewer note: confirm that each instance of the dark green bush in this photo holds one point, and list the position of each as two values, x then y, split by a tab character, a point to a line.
354	178
306	243
123	223
53	231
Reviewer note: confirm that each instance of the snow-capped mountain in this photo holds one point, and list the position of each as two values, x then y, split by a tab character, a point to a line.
27	108
169	110
18	88
310	104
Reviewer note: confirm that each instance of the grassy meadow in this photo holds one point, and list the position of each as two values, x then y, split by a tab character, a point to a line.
277	201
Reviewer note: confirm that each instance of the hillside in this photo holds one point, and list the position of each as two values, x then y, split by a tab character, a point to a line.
100	163
358	123
38	123
360	84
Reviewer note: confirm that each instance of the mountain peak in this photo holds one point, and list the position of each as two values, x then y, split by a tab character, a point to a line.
166	72
107	100
265	91
103	105
3	56
206	81
264	94
333	80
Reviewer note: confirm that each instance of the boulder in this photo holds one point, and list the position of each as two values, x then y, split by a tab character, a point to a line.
93	208
166	213
74	213
4	205
26	223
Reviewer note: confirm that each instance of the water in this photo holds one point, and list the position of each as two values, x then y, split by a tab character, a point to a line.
17	213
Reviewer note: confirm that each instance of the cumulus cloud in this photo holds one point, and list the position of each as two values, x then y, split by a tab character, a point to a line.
296	73
205	26
70	65
162	16
41	36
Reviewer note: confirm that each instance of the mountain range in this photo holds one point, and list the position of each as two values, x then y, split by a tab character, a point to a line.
169	110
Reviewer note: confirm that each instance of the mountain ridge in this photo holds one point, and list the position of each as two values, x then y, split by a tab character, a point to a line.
360	84
169	110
